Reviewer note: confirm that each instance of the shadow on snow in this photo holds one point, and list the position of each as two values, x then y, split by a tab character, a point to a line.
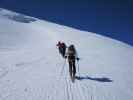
98	79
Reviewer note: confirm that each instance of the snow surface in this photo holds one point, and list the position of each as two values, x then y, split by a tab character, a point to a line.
32	69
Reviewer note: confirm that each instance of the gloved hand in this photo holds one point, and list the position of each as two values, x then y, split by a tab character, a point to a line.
65	57
78	59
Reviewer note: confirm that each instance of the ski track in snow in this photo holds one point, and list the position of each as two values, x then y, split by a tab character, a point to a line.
53	90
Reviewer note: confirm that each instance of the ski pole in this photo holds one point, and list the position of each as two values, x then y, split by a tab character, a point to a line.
78	67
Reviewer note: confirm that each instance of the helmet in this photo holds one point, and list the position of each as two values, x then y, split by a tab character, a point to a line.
71	46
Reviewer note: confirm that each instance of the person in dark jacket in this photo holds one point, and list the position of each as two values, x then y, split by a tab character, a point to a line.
62	48
71	55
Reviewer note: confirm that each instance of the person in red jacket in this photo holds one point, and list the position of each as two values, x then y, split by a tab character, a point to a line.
62	48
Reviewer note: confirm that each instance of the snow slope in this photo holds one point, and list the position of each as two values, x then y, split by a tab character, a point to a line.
32	69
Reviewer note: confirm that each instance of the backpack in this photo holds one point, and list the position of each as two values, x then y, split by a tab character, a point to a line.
71	50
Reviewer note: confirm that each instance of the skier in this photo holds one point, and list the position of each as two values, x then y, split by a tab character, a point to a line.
71	55
62	48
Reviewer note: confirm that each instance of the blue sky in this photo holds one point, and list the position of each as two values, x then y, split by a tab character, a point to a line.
113	18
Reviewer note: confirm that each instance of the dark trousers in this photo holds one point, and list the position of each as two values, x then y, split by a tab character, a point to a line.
72	67
62	51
